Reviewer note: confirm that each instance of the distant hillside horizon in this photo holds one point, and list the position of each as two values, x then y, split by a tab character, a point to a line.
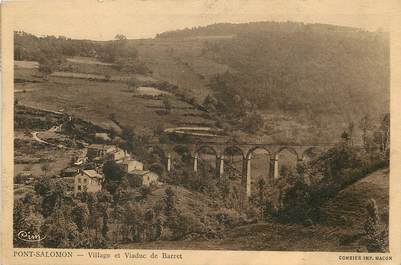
235	28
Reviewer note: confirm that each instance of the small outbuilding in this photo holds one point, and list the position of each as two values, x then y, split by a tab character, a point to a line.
104	137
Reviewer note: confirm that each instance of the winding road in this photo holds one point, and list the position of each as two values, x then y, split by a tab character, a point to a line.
52	129
36	138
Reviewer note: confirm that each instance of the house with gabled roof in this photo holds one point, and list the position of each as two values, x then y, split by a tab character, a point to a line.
138	178
88	180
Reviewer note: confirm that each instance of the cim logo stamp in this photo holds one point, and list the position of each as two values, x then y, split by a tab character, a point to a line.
29	237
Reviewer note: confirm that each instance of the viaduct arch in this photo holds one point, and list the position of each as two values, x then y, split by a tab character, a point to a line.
244	151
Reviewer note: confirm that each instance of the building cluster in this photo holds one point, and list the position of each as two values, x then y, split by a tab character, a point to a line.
87	174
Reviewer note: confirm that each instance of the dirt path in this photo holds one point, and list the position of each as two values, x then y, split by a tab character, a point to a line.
52	129
36	138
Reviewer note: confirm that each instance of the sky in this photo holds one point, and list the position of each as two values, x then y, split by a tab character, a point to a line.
103	19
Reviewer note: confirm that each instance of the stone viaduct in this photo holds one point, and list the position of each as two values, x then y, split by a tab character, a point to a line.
245	151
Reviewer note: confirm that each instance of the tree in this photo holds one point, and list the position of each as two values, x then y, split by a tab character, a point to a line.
345	137
80	216
23	220
136	144
375	237
45	167
128	219
253	122
47	66
18	53
119	52
43	186
169	202
167	104
385	128
117	215
296	205
237	99
112	171
130	64
120	37
132	84
210	103
60	231
104	199
112	116
351	127
261	196
94	213
365	125
52	193
247	105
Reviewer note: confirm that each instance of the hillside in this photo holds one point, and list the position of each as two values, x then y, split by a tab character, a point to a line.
306	82
315	76
232	29
348	205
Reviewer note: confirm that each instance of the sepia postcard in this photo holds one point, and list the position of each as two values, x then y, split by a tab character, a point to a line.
200	132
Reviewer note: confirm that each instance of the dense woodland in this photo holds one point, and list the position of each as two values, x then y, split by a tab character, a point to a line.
310	71
324	73
224	29
51	52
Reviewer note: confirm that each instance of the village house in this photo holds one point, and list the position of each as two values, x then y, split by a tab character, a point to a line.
115	154
100	152
128	165
88	180
81	161
138	178
96	151
24	177
102	137
69	172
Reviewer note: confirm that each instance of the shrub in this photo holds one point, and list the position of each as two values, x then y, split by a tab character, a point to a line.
252	215
145	191
375	237
252	123
157	168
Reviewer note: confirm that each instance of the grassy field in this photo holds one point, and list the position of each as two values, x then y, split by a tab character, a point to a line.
31	156
97	100
182	64
82	89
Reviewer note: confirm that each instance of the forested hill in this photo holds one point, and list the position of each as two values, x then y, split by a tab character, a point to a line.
221	29
296	67
267	78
